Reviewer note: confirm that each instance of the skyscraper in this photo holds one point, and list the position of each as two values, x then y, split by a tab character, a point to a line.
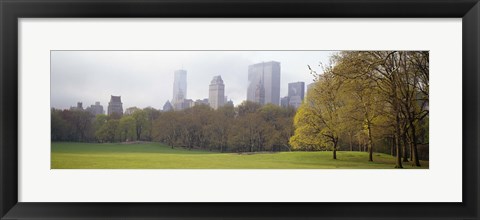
296	93
96	109
216	94
264	76
115	105
260	93
284	102
179	86
167	106
79	107
202	102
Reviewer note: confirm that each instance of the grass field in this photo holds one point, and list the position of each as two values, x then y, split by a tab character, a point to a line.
158	156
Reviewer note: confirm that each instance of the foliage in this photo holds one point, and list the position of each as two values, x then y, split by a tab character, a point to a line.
368	97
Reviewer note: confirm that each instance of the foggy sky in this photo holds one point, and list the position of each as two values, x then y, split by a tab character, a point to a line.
145	78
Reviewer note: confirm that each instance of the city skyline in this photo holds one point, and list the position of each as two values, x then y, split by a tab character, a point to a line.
132	74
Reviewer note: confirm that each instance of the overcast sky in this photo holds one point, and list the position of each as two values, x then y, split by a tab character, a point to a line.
145	78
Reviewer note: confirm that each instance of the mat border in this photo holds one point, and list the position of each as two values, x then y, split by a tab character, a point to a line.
12	10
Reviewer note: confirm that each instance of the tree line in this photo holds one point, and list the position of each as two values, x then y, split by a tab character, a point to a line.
249	127
371	99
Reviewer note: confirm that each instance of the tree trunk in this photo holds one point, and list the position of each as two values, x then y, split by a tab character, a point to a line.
411	152
404	147
416	161
398	159
396	106
370	143
334	149
138	134
392	148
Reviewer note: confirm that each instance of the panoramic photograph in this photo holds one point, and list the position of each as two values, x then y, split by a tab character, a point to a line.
239	109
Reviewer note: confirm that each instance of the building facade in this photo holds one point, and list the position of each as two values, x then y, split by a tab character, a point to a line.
259	96
79	107
266	75
179	85
229	103
179	89
202	102
186	103
216	94
296	94
115	106
167	106
96	109
284	102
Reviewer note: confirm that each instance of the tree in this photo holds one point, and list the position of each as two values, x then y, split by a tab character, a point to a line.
152	115
367	97
81	122
249	135
414	93
322	113
364	103
127	128
167	128
59	126
247	107
277	127
98	123
109	131
140	118
401	78
306	136
220	126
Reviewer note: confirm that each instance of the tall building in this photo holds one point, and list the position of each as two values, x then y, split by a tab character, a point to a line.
216	94
186	103
96	109
115	105
284	102
178	101
179	85
167	106
264	76
79	107
229	103
296	94
260	93
202	102
179	89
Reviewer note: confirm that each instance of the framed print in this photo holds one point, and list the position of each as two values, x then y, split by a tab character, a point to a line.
277	109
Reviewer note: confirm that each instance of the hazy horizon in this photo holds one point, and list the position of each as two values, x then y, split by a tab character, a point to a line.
145	78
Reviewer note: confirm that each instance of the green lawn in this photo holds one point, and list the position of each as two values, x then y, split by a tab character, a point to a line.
158	156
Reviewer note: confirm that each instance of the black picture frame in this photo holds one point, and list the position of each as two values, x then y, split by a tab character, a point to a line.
12	10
